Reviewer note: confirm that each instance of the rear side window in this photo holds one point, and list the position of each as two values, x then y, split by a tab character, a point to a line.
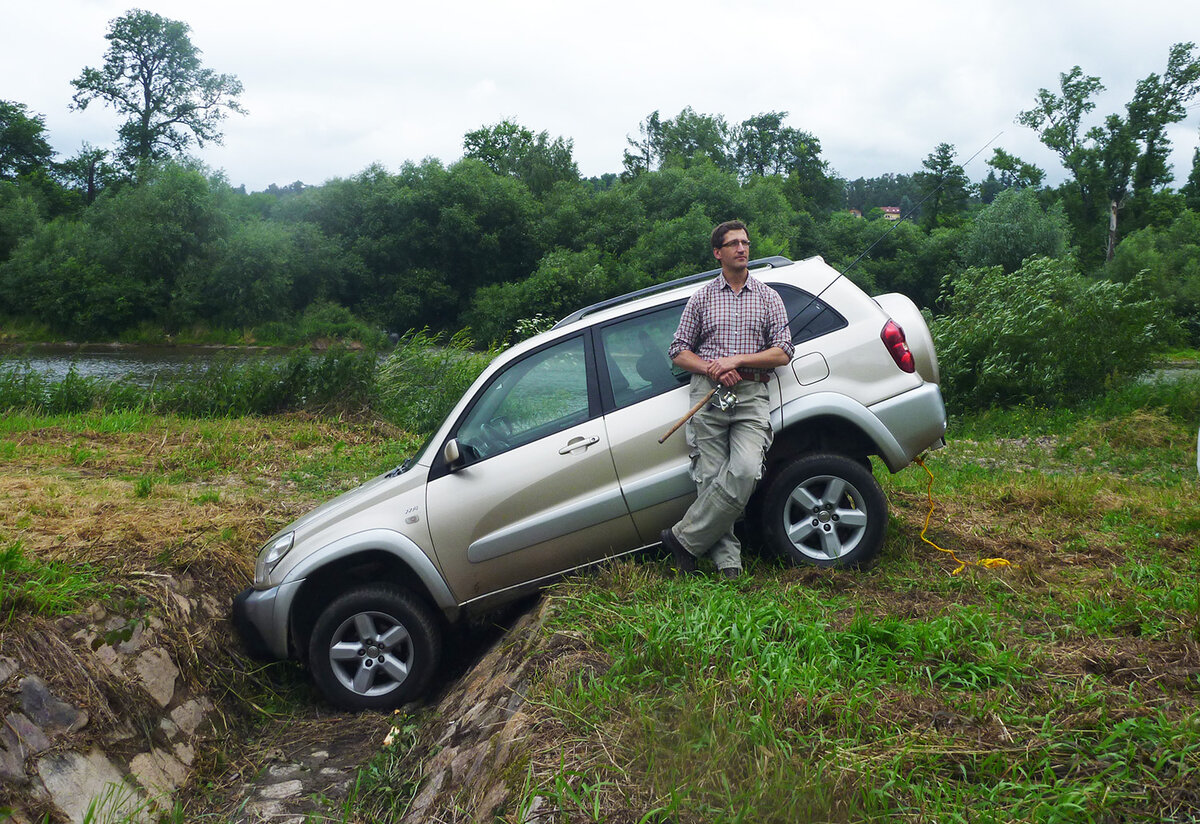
635	355
808	317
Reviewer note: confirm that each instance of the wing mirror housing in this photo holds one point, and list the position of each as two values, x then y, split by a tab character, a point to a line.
452	455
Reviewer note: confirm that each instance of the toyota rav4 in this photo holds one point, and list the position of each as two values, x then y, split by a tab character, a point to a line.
551	462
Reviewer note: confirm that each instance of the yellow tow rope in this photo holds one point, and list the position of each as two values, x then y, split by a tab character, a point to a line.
989	563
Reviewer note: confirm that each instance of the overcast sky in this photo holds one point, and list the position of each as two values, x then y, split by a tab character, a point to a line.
331	88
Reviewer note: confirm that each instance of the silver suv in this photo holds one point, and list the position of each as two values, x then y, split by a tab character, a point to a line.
552	462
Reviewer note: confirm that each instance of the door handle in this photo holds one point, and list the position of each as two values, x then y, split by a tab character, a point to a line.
578	443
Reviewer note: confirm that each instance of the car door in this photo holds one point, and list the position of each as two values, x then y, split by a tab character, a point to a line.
644	394
536	492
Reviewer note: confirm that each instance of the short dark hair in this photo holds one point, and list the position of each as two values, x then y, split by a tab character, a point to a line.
718	234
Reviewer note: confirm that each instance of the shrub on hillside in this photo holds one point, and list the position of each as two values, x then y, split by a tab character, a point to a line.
1042	334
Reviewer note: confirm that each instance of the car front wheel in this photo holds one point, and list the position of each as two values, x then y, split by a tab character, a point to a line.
374	648
824	510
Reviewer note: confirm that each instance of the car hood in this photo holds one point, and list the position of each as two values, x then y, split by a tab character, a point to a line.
357	499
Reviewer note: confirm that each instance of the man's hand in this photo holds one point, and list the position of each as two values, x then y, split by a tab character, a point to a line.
724	371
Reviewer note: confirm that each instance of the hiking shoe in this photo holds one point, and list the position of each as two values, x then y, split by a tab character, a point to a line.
685	562
731	572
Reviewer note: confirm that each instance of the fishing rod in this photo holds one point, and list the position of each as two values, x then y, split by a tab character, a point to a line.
880	239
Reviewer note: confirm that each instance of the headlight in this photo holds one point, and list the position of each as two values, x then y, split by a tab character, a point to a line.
269	556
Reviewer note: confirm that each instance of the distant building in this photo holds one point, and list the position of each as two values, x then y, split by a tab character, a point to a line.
855	213
890	212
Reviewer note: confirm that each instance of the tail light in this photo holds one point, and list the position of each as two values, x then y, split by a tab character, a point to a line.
893	338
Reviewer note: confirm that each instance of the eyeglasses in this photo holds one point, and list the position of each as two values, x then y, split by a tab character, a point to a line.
733	244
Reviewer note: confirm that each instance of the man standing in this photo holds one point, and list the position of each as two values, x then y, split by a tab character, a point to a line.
733	332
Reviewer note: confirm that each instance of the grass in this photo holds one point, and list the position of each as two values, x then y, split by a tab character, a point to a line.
1064	688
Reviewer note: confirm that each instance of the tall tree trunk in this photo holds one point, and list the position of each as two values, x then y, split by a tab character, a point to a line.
1113	207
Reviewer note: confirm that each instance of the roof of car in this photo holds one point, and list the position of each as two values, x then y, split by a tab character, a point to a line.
761	263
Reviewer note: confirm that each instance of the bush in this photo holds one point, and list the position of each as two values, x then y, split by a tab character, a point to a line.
1042	334
420	382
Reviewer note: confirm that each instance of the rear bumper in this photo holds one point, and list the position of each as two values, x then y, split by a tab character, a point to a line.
916	421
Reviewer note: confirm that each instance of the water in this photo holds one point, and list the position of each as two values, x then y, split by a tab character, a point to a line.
144	365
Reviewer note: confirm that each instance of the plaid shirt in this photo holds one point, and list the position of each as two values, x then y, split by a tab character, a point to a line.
718	322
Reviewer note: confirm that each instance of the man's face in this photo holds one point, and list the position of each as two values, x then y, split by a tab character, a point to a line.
734	252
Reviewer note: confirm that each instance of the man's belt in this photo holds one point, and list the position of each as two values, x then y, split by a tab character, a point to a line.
757	377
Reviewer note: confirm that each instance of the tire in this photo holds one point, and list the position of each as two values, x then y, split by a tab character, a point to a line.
374	648
824	510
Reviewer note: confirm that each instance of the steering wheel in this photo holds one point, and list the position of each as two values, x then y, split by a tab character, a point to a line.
496	434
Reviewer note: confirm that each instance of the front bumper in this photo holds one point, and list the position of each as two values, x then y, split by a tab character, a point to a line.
261	617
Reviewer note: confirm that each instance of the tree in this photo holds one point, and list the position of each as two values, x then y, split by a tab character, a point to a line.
1015	227
509	148
1191	189
1015	173
1042	334
23	146
945	185
88	170
1127	155
690	137
152	75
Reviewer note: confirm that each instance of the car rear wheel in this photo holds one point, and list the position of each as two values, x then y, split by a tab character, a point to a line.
374	648
825	510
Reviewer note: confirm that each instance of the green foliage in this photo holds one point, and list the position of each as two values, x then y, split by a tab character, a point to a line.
337	379
1015	227
510	149
1168	260
19	217
563	282
1042	334
427	374
23	144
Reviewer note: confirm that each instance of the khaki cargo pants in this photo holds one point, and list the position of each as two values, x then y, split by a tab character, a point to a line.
728	449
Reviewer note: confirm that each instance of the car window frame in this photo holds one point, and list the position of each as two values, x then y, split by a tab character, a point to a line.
439	467
604	377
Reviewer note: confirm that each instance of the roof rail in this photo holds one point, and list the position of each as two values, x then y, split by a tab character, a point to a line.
761	263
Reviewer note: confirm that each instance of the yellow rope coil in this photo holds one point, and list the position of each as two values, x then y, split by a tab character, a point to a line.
987	563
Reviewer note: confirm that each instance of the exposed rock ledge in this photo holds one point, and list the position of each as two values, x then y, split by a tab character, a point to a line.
96	711
107	712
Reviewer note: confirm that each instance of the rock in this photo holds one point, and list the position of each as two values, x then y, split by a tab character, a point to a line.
188	716
7	667
49	713
12	766
284	789
159	772
107	656
158	673
424	800
76	781
22	736
185	753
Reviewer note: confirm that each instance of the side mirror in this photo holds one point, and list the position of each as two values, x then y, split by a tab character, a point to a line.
451	454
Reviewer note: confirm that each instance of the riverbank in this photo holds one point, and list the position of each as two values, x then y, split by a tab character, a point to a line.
793	693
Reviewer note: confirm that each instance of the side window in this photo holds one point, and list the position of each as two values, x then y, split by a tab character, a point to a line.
635	355
808	317
537	396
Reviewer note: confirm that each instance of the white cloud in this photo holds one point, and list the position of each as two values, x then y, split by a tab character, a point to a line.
332	89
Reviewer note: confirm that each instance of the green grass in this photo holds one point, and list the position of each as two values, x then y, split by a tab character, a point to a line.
49	588
1062	688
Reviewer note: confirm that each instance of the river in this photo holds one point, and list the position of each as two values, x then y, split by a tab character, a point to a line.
145	365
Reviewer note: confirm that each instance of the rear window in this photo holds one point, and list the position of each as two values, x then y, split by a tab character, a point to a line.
808	316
